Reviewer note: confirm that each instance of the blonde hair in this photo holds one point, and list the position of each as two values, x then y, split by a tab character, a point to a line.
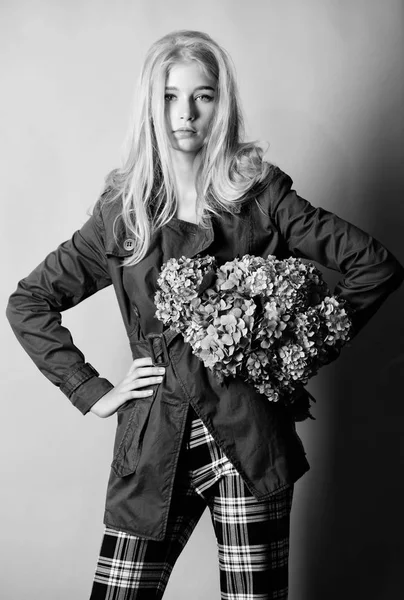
228	168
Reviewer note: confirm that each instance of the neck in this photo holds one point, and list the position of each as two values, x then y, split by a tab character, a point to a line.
185	167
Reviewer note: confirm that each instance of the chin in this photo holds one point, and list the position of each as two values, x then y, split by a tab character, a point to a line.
190	148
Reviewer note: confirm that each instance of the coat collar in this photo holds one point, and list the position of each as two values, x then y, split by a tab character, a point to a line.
176	234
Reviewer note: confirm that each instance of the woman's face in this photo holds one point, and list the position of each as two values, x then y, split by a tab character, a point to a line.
190	100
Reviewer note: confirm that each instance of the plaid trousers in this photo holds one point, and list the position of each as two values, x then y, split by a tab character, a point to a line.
252	536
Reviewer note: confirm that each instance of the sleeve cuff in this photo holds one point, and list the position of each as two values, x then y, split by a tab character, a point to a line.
84	387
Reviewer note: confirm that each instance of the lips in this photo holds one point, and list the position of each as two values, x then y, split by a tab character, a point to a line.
184	134
185	129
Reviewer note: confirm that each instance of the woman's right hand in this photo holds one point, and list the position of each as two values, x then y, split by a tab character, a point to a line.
141	374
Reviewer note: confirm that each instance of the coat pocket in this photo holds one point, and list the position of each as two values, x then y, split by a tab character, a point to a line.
129	436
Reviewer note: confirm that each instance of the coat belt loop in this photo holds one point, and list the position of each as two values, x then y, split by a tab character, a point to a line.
158	349
158	343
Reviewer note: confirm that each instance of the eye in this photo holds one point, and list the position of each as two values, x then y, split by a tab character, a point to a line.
204	98
169	97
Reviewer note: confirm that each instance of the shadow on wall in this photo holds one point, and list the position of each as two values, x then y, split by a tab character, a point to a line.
356	546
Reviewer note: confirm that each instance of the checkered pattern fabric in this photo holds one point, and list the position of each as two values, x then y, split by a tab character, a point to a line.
207	462
252	536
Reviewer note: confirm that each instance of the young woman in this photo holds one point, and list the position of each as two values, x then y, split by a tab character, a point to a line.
189	186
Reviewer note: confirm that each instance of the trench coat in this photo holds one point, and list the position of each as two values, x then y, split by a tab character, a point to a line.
259	437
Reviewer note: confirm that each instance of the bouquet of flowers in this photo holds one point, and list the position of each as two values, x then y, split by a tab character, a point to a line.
272	322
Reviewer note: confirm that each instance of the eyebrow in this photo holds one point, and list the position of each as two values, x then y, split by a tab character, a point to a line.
201	87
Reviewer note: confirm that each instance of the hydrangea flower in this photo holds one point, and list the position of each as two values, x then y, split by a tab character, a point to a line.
272	322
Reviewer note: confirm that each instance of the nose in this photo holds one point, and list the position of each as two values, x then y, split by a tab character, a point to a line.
187	111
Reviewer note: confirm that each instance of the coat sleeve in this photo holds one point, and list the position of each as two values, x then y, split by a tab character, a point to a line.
73	272
369	271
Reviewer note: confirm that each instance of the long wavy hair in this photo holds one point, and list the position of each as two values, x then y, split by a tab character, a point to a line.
229	169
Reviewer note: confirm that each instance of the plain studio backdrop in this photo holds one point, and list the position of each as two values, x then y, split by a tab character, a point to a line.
323	82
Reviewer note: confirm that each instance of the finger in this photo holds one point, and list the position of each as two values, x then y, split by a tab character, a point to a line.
141	383
135	383
130	394
140	362
140	372
140	394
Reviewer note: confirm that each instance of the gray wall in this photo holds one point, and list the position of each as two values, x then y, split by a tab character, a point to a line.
322	80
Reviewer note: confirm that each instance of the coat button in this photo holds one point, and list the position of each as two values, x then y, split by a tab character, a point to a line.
129	244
